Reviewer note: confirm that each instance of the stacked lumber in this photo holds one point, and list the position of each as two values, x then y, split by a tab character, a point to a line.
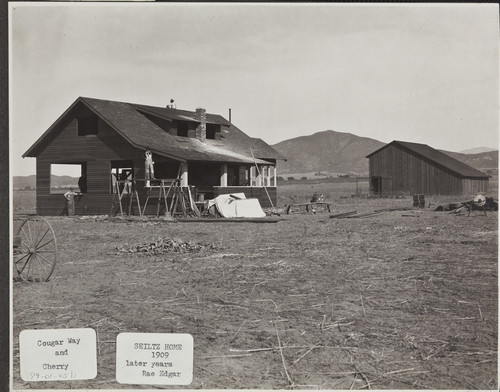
354	214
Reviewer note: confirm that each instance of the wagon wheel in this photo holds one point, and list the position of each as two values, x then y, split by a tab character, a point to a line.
36	254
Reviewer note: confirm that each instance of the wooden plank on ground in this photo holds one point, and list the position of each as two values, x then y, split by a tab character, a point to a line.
229	220
364	215
343	214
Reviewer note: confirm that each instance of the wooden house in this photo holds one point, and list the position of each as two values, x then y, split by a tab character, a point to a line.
107	141
403	167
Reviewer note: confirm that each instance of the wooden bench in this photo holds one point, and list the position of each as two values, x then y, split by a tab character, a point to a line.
309	206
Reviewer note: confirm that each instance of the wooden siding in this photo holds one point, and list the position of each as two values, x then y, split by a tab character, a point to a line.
251	192
87	204
410	173
98	151
471	187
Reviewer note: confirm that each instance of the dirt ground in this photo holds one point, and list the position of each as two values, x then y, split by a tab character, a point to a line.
398	300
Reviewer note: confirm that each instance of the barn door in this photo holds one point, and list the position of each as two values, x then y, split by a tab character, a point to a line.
376	185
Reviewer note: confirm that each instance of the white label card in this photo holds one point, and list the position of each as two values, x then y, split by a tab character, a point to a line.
154	358
57	354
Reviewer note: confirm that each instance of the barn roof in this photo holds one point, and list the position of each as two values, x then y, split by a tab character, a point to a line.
437	158
130	121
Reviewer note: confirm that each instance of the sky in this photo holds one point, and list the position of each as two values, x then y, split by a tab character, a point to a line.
423	73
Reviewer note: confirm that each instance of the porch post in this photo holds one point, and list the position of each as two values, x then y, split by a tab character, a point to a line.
223	175
274	172
258	177
184	174
247	176
251	175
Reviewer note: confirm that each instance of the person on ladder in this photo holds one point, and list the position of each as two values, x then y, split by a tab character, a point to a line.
150	170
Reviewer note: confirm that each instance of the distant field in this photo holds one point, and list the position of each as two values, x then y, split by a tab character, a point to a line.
302	192
24	201
313	175
288	192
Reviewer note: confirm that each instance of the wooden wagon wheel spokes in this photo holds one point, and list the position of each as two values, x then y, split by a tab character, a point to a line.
36	256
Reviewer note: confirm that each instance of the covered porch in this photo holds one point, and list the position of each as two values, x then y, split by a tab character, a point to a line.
211	179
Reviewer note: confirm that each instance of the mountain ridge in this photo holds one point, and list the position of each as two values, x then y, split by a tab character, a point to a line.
329	150
341	152
477	150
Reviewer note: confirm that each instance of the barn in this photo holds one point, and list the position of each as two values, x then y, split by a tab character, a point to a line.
105	141
403	167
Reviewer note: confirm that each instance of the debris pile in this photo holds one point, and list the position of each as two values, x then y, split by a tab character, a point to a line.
449	206
488	204
167	245
317	198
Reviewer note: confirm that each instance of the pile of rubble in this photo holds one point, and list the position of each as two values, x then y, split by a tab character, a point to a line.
486	204
167	245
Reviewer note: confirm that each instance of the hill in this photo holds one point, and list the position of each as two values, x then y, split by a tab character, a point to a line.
483	161
327	151
339	152
477	150
26	182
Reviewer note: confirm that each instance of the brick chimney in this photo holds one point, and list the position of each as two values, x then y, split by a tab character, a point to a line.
201	130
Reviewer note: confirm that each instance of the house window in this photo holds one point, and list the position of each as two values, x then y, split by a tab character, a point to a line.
122	177
87	126
182	129
64	177
212	130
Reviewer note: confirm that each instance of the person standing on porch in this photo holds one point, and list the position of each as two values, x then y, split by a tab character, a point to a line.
150	170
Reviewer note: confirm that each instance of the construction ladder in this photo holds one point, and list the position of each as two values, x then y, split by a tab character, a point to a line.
129	188
180	202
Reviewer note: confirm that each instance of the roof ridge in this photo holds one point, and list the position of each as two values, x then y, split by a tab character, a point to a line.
135	105
134	126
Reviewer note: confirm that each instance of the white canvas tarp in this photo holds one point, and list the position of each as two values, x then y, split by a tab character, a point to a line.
237	206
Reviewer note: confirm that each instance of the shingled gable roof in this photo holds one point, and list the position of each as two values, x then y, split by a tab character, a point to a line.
437	158
128	121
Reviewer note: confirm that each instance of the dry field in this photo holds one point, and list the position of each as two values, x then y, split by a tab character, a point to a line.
399	300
